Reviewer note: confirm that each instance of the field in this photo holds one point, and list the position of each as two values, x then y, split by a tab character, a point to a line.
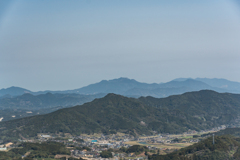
160	145
180	145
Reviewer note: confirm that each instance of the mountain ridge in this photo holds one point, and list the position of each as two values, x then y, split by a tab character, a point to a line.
133	88
116	113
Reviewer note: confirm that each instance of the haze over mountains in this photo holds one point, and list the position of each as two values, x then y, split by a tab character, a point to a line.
133	88
16	102
98	109
28	104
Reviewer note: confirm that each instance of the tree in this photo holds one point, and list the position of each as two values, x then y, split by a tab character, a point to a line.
106	154
146	153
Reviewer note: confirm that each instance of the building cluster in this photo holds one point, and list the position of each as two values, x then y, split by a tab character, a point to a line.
91	146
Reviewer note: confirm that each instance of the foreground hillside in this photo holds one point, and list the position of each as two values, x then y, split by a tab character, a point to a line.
210	106
225	148
115	113
107	115
46	149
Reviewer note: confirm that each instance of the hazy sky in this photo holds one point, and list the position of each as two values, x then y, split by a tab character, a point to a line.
60	45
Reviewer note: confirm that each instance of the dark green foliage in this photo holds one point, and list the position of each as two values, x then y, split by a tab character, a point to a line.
106	154
79	140
205	150
115	113
137	149
175	140
196	136
43	150
9	156
84	147
213	108
123	149
111	113
231	131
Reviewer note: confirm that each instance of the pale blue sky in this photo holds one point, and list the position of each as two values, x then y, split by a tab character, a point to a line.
60	45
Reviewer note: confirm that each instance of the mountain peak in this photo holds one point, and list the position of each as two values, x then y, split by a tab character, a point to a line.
124	79
13	91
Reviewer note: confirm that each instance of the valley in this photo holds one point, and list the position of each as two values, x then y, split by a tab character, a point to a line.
93	126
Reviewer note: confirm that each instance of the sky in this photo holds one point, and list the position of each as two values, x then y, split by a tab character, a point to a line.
59	45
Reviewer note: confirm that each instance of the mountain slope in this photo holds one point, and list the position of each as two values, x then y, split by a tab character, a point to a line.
207	105
175	114
109	114
225	147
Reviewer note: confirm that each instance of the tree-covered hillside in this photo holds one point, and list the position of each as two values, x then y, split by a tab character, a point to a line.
224	148
210	106
115	113
35	150
107	115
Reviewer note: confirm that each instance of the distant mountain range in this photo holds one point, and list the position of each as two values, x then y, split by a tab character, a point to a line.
133	88
115	113
13	91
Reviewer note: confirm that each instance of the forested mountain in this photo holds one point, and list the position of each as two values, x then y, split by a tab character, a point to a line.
109	114
175	114
206	105
226	146
48	150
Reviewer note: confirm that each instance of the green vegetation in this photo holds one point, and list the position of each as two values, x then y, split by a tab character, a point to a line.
82	148
230	131
106	154
9	156
225	147
79	140
36	150
210	106
137	149
115	113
